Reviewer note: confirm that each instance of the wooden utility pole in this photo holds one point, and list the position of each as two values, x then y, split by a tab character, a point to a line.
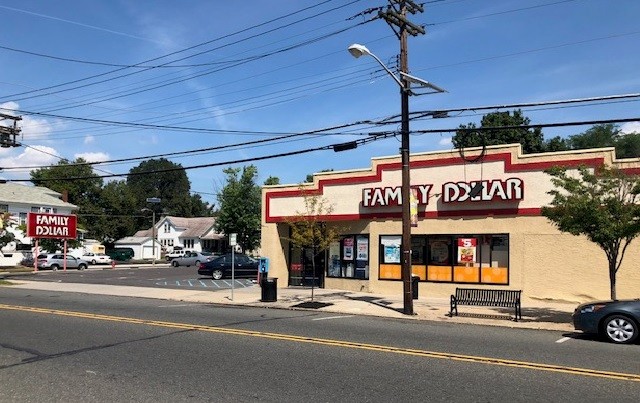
395	16
8	134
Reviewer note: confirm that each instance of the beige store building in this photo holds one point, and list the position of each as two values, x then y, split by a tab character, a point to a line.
495	239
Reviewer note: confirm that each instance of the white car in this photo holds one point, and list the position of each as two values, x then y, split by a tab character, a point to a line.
96	258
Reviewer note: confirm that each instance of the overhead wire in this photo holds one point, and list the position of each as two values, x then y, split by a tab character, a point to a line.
373	137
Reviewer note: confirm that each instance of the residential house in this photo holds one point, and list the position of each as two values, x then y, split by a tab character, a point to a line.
195	233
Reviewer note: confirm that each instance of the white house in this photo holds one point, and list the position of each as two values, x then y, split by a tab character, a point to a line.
18	200
196	233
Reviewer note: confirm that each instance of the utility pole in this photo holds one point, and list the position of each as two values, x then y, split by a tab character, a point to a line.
395	15
7	132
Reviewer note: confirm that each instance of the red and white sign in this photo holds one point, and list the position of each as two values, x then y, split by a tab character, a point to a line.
467	250
44	225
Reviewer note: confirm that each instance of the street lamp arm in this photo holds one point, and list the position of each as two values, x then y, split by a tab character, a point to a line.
358	50
388	71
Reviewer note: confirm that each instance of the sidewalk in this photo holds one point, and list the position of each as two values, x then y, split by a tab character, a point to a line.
535	314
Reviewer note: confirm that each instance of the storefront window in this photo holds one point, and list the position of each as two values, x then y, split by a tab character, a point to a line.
473	259
349	258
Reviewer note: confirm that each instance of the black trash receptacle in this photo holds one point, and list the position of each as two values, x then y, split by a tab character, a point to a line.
414	286
269	290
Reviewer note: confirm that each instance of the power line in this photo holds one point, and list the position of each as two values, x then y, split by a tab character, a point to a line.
12	96
373	137
200	150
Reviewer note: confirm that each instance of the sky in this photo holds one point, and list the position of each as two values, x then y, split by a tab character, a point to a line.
128	80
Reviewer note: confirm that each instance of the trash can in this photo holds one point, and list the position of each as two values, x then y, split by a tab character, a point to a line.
269	290
414	286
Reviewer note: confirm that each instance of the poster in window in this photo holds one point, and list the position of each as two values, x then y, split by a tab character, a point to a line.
391	254
439	251
334	253
467	250
362	245
347	248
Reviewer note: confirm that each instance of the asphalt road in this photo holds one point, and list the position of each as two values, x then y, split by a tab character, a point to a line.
163	276
75	347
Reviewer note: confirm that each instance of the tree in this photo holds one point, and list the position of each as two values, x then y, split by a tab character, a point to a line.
628	145
115	214
54	245
239	202
602	206
598	136
309	232
84	193
6	236
200	208
163	179
272	180
607	135
531	139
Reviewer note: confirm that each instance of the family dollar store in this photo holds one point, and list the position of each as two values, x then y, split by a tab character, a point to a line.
478	224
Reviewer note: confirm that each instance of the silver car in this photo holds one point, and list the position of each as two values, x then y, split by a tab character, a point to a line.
55	261
192	259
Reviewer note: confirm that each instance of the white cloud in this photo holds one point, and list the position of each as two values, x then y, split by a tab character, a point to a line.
32	156
32	128
630	127
92	157
89	139
445	141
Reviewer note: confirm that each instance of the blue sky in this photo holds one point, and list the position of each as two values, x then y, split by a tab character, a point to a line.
253	70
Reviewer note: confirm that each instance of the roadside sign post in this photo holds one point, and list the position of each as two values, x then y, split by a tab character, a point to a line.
232	243
55	226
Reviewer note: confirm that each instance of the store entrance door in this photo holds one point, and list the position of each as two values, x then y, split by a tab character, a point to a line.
303	273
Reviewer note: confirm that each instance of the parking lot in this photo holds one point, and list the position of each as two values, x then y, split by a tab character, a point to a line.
160	276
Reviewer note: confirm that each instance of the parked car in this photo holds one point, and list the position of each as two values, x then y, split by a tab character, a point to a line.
175	253
192	259
220	266
617	321
55	261
96	258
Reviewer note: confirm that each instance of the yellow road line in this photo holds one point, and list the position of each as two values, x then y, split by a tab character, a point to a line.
337	343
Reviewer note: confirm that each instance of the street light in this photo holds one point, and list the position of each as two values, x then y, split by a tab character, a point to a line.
153	200
404	82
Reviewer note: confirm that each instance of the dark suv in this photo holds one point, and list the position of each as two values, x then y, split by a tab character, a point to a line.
55	261
220	267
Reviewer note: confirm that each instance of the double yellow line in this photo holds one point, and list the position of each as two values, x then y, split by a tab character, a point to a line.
335	343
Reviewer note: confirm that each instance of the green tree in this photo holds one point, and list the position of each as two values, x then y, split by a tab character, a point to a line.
163	179
607	135
603	206
272	180
556	143
628	145
598	136
116	214
200	208
52	245
84	193
6	236
239	202
531	139
309	232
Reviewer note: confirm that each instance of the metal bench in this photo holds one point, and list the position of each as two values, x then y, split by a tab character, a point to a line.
487	297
